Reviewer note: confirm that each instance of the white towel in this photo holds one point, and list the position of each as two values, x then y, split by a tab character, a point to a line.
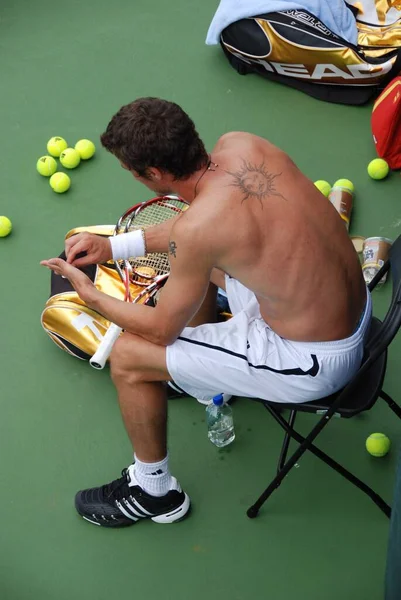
333	13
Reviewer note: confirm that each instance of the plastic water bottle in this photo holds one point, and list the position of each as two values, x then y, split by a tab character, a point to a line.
220	424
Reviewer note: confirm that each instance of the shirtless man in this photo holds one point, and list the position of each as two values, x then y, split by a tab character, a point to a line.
258	228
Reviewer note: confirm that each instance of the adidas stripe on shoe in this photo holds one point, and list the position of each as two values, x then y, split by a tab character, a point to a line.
123	502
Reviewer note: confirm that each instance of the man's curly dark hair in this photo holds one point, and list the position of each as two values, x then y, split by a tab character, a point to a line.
151	132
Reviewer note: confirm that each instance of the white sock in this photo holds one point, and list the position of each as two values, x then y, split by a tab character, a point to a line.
154	478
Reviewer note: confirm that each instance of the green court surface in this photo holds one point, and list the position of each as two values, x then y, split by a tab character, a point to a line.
65	69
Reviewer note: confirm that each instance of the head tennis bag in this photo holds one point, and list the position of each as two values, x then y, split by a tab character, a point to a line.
386	124
295	48
71	324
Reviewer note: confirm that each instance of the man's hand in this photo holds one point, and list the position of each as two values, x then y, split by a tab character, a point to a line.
79	281
97	248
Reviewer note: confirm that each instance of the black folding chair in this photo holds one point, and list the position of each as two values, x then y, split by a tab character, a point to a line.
359	395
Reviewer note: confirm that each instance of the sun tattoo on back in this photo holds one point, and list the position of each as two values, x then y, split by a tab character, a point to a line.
254	181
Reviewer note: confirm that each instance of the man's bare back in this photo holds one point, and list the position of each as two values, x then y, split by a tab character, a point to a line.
278	235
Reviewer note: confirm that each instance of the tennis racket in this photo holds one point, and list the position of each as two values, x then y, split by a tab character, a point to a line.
143	275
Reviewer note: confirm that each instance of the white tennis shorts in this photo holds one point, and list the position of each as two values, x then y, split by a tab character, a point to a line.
245	357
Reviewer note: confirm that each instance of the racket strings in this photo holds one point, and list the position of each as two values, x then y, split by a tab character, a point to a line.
156	263
144	270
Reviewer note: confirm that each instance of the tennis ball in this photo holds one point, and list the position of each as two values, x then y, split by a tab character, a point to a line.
56	145
85	148
378	444
378	168
323	186
70	158
60	182
345	183
46	166
5	226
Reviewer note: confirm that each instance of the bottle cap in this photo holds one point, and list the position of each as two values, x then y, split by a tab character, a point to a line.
218	400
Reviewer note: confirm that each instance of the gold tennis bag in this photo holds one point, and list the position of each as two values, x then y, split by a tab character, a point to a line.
72	325
295	48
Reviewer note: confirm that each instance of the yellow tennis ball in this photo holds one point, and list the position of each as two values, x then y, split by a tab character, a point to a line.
345	183
46	166
85	148
70	158
60	182
323	186
5	226
56	145
378	168
378	444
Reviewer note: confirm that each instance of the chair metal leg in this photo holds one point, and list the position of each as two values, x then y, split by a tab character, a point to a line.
286	442
378	500
306	444
254	509
391	403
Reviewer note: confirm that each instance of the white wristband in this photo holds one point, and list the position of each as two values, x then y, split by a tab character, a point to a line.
127	245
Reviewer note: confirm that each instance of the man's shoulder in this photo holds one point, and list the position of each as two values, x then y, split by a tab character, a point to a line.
193	243
235	143
196	228
193	221
234	135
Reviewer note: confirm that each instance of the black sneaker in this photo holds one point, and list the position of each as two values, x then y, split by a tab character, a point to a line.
123	502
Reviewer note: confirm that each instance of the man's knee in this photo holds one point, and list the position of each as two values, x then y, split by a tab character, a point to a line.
122	358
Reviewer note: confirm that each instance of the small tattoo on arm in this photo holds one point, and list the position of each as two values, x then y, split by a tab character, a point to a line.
172	248
254	181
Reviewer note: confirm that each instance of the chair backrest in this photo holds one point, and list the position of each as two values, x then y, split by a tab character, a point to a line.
392	321
381	334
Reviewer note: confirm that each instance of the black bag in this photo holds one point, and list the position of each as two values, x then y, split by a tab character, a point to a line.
295	48
70	324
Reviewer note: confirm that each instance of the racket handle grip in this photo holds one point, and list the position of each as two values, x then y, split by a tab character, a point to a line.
103	352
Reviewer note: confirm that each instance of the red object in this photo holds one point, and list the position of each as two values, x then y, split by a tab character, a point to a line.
386	124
